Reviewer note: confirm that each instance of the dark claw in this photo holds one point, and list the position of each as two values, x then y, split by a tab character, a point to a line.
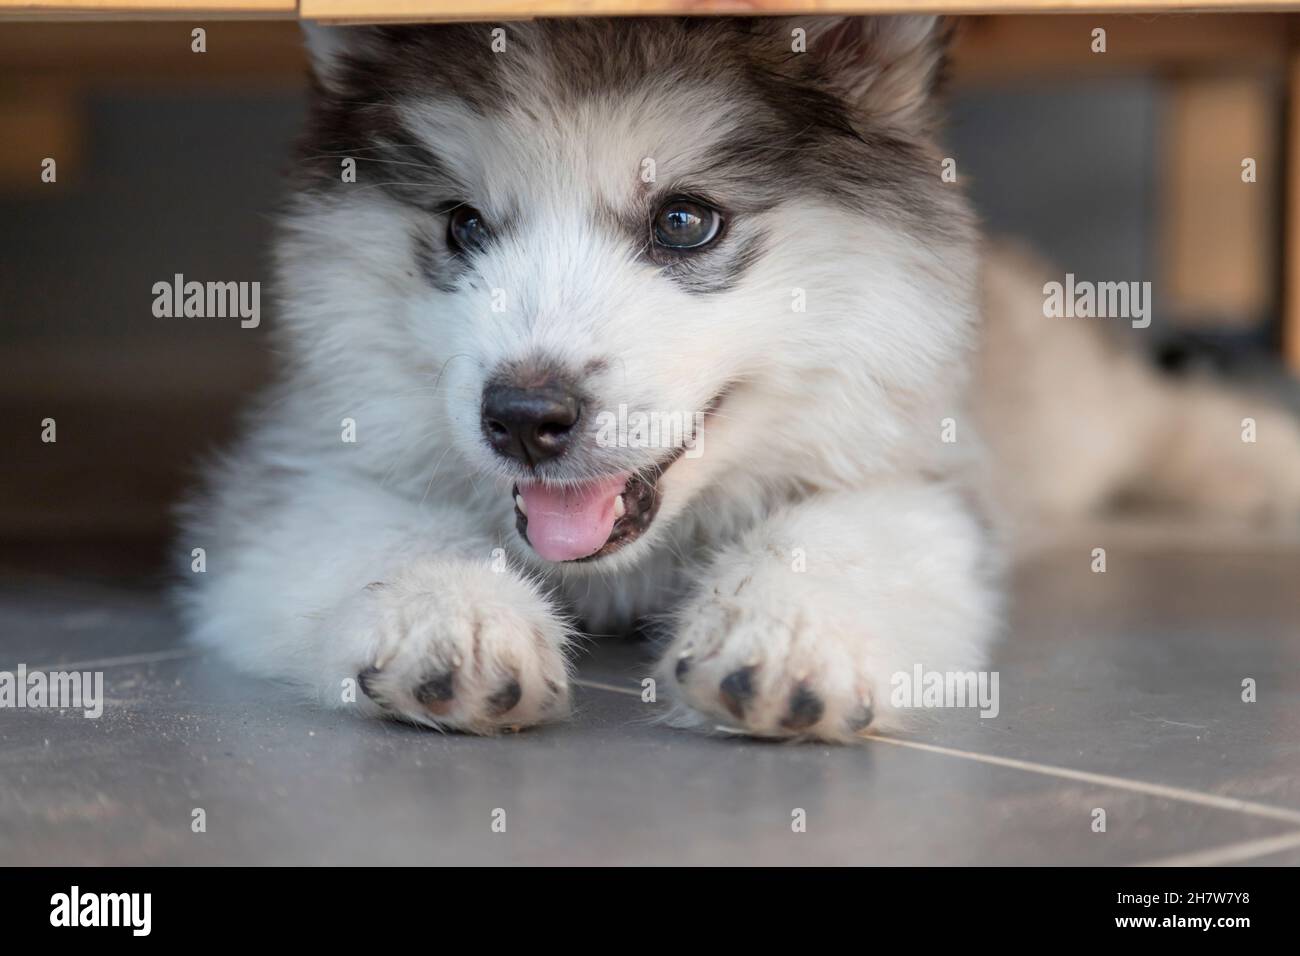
504	700
436	693
806	708
557	695
736	690
861	720
683	667
365	680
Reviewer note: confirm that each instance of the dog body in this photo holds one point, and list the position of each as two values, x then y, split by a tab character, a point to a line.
429	503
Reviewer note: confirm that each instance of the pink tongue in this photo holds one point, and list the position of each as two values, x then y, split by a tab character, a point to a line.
569	523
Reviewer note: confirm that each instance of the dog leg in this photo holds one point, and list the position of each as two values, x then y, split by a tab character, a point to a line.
799	626
369	601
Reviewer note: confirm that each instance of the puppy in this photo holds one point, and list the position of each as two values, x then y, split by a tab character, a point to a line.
591	323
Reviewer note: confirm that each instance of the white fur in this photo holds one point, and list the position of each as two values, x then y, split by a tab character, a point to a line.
399	552
838	593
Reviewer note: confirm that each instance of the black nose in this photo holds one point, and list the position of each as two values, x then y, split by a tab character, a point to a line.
530	424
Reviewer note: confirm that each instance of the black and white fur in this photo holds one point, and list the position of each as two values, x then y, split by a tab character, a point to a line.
826	537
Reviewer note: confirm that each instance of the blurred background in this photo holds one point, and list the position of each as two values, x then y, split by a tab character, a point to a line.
1123	165
1116	166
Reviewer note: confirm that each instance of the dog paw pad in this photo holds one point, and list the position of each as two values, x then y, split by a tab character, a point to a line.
806	708
437	692
737	690
505	699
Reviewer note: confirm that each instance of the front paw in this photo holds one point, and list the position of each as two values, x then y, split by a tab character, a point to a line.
768	652
459	646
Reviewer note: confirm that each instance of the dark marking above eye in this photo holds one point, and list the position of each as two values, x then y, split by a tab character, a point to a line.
795	132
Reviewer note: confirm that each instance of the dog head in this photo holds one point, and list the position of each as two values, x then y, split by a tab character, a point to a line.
608	269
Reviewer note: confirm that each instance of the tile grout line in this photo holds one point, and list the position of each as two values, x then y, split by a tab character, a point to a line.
597	685
1120	783
1231	853
149	657
1106	780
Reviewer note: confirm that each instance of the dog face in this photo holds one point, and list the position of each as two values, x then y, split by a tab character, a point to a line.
606	267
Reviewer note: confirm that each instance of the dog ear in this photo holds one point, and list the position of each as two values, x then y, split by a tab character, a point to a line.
887	66
331	47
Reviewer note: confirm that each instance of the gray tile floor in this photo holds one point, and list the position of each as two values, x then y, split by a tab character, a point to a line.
1119	691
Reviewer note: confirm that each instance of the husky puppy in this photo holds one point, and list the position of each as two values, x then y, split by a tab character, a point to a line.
505	244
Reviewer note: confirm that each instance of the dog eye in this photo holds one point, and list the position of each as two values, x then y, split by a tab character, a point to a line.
466	230
686	224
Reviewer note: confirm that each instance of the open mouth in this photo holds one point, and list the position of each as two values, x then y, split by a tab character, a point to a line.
592	519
